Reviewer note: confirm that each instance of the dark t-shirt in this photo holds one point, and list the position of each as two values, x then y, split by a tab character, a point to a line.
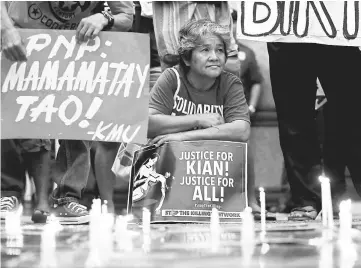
225	97
64	15
249	71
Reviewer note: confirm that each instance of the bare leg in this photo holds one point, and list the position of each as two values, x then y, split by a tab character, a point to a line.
105	154
252	200
12	170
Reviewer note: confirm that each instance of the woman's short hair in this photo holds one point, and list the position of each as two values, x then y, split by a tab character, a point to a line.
190	34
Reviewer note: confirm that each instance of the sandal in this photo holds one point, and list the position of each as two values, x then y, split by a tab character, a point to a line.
39	216
303	214
269	216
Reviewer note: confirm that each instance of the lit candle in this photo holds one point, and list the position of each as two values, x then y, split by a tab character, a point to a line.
96	207
146	220
330	222
215	230
54	223
48	244
214	219
105	207
347	249
247	231
13	224
345	221
324	200
123	237
247	236
146	230
262	197
326	255
14	236
129	217
99	206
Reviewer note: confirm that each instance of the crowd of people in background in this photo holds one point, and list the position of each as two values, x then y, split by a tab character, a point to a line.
196	56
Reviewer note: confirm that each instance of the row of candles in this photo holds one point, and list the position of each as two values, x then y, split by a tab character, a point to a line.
12	222
99	220
345	211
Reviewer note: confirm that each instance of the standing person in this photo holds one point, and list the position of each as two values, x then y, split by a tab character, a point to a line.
73	161
143	23
294	68
20	156
333	162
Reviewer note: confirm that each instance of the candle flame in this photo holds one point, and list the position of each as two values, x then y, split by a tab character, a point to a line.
324	179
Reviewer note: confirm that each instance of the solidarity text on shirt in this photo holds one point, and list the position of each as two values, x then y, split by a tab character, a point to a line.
184	106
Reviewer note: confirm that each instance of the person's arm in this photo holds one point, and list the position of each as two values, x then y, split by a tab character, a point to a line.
255	82
161	124
235	113
254	95
123	15
161	103
91	26
238	131
11	42
6	22
236	128
160	108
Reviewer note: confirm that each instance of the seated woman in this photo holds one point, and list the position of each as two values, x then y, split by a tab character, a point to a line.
19	156
198	100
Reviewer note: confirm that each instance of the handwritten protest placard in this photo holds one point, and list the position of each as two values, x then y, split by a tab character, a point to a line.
94	91
183	181
323	22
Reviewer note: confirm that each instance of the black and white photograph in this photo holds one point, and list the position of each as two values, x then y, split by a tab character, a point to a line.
180	134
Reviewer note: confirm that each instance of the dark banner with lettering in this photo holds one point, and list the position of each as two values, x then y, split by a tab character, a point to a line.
183	181
323	22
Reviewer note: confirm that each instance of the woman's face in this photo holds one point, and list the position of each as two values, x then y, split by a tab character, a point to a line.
208	58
